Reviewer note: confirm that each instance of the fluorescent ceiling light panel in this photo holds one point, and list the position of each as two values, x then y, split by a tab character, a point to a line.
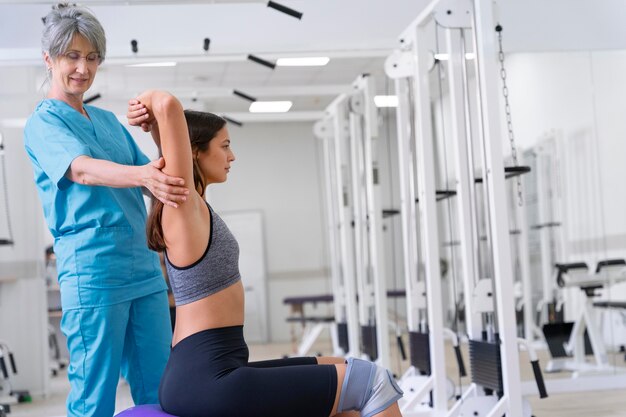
153	64
386	101
317	61
270	106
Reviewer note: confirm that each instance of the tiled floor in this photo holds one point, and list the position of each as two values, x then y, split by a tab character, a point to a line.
585	404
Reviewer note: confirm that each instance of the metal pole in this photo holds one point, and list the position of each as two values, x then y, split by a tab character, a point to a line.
498	218
428	215
374	218
324	132
348	274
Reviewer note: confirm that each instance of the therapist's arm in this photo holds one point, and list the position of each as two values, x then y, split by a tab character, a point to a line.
89	171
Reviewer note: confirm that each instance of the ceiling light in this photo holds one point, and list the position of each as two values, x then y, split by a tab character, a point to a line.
154	64
303	62
270	106
386	101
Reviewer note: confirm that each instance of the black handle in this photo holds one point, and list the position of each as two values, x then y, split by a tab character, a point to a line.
3	368
459	360
610	262
541	386
401	347
12	359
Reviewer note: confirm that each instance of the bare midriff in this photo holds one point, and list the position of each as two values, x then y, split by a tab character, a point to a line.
222	309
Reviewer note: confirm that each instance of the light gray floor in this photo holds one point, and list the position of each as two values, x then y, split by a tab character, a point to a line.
586	404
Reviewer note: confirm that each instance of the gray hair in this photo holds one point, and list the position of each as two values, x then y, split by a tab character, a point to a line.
63	22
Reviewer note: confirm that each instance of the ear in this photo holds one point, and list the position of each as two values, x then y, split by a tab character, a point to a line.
47	59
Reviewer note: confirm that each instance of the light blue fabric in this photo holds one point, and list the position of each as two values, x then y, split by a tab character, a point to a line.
103	339
99	232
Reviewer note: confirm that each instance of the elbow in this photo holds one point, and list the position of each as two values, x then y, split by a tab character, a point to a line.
80	177
166	104
77	172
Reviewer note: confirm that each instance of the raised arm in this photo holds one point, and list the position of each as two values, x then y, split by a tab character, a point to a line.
185	229
165	114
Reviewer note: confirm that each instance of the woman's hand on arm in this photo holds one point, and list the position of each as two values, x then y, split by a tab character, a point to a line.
89	171
139	115
165	111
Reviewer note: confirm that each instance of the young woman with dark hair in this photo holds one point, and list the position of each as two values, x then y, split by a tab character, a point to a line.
208	373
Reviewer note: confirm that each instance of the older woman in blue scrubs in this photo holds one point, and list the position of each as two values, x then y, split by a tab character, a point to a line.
89	173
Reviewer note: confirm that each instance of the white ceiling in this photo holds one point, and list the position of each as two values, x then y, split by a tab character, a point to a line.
351	32
356	34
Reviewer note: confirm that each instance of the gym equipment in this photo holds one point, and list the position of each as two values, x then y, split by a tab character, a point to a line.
8	240
488	301
332	132
147	410
543	195
607	272
8	395
349	138
313	326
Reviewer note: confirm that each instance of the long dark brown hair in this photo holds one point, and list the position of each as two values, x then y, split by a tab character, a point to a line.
202	128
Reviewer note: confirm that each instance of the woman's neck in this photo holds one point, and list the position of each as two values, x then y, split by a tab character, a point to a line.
75	102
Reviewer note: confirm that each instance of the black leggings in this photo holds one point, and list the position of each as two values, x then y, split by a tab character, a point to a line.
208	374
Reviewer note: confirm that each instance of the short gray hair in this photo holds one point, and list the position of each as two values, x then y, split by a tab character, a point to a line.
63	22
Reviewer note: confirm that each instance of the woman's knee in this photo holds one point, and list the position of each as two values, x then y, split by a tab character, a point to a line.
330	360
359	377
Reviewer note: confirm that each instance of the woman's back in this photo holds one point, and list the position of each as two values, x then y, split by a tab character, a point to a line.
202	263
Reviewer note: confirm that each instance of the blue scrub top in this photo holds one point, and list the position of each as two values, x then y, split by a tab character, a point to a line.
99	232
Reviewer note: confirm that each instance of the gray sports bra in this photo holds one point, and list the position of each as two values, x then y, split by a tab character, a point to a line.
217	269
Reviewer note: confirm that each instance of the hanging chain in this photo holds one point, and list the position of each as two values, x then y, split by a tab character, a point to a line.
507	110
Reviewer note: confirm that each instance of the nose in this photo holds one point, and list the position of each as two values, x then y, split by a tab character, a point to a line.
232	156
81	66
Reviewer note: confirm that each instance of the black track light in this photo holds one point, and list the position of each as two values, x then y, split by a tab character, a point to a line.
232	121
261	61
243	95
92	98
133	46
284	9
207	43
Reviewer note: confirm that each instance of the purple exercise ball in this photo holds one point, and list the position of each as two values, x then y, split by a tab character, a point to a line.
147	410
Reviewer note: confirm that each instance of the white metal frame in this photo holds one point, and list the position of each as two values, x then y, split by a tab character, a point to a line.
349	133
333	131
416	60
368	213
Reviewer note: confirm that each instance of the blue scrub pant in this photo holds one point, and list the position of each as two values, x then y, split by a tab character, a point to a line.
133	337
